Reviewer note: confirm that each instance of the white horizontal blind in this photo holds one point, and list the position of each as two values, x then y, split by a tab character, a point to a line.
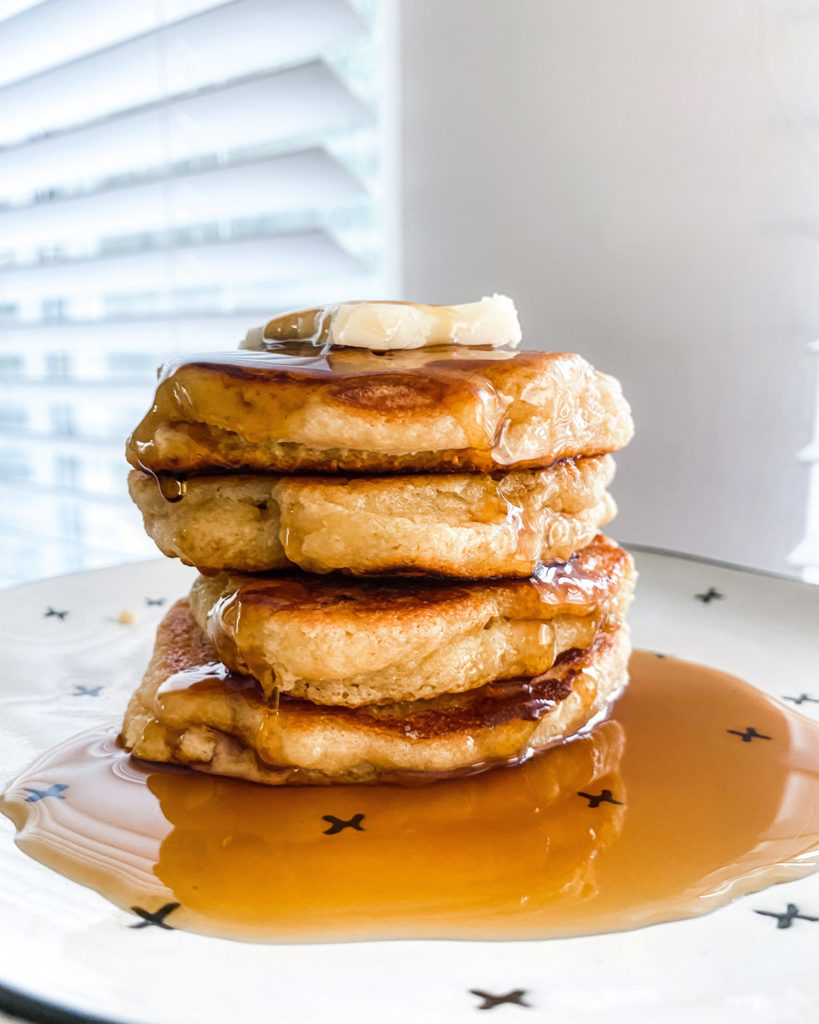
171	173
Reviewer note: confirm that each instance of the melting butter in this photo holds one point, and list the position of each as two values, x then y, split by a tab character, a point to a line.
384	326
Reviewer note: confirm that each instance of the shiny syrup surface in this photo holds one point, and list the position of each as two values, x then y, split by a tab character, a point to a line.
699	789
231	391
585	581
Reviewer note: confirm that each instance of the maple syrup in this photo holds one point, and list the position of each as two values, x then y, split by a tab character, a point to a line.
328	612
697	790
283	409
215	385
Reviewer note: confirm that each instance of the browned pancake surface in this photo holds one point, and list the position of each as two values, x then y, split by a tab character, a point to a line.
191	710
355	642
286	409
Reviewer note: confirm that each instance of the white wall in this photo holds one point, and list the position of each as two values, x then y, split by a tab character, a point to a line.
634	174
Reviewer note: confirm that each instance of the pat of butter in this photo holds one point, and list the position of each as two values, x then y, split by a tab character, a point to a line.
383	326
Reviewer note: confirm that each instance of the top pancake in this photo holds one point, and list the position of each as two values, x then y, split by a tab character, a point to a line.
299	408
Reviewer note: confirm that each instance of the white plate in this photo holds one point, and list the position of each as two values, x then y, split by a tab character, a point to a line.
65	951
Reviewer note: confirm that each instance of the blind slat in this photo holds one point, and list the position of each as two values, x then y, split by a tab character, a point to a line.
306	180
298	103
253	261
158	315
53	33
47	387
113	335
69	543
12	8
17	488
220	44
60	442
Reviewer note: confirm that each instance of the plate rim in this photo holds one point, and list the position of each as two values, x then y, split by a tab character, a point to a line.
27	1007
650	549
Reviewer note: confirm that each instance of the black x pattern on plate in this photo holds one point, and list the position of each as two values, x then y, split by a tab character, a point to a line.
55	790
603	797
490	1001
155	917
749	734
792	913
338	824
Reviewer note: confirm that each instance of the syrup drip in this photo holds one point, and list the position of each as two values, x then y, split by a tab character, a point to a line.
491	704
209	394
172	487
307	325
586	581
663	812
505	529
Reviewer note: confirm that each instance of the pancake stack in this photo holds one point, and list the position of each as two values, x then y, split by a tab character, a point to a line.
401	570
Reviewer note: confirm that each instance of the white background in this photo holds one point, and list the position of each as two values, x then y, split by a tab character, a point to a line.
642	178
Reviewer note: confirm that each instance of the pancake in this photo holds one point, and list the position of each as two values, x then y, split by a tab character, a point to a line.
352	643
191	710
458	525
299	408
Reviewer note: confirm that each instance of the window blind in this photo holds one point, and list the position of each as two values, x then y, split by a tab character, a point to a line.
171	173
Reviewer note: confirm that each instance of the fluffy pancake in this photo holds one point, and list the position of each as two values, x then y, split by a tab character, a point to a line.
191	710
299	408
459	524
359	642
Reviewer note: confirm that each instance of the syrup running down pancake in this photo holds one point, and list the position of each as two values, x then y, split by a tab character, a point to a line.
354	642
468	525
191	710
297	408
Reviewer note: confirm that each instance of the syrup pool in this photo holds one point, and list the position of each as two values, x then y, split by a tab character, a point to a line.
697	790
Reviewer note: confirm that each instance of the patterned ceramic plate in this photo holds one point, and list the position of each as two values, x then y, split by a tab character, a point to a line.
71	660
